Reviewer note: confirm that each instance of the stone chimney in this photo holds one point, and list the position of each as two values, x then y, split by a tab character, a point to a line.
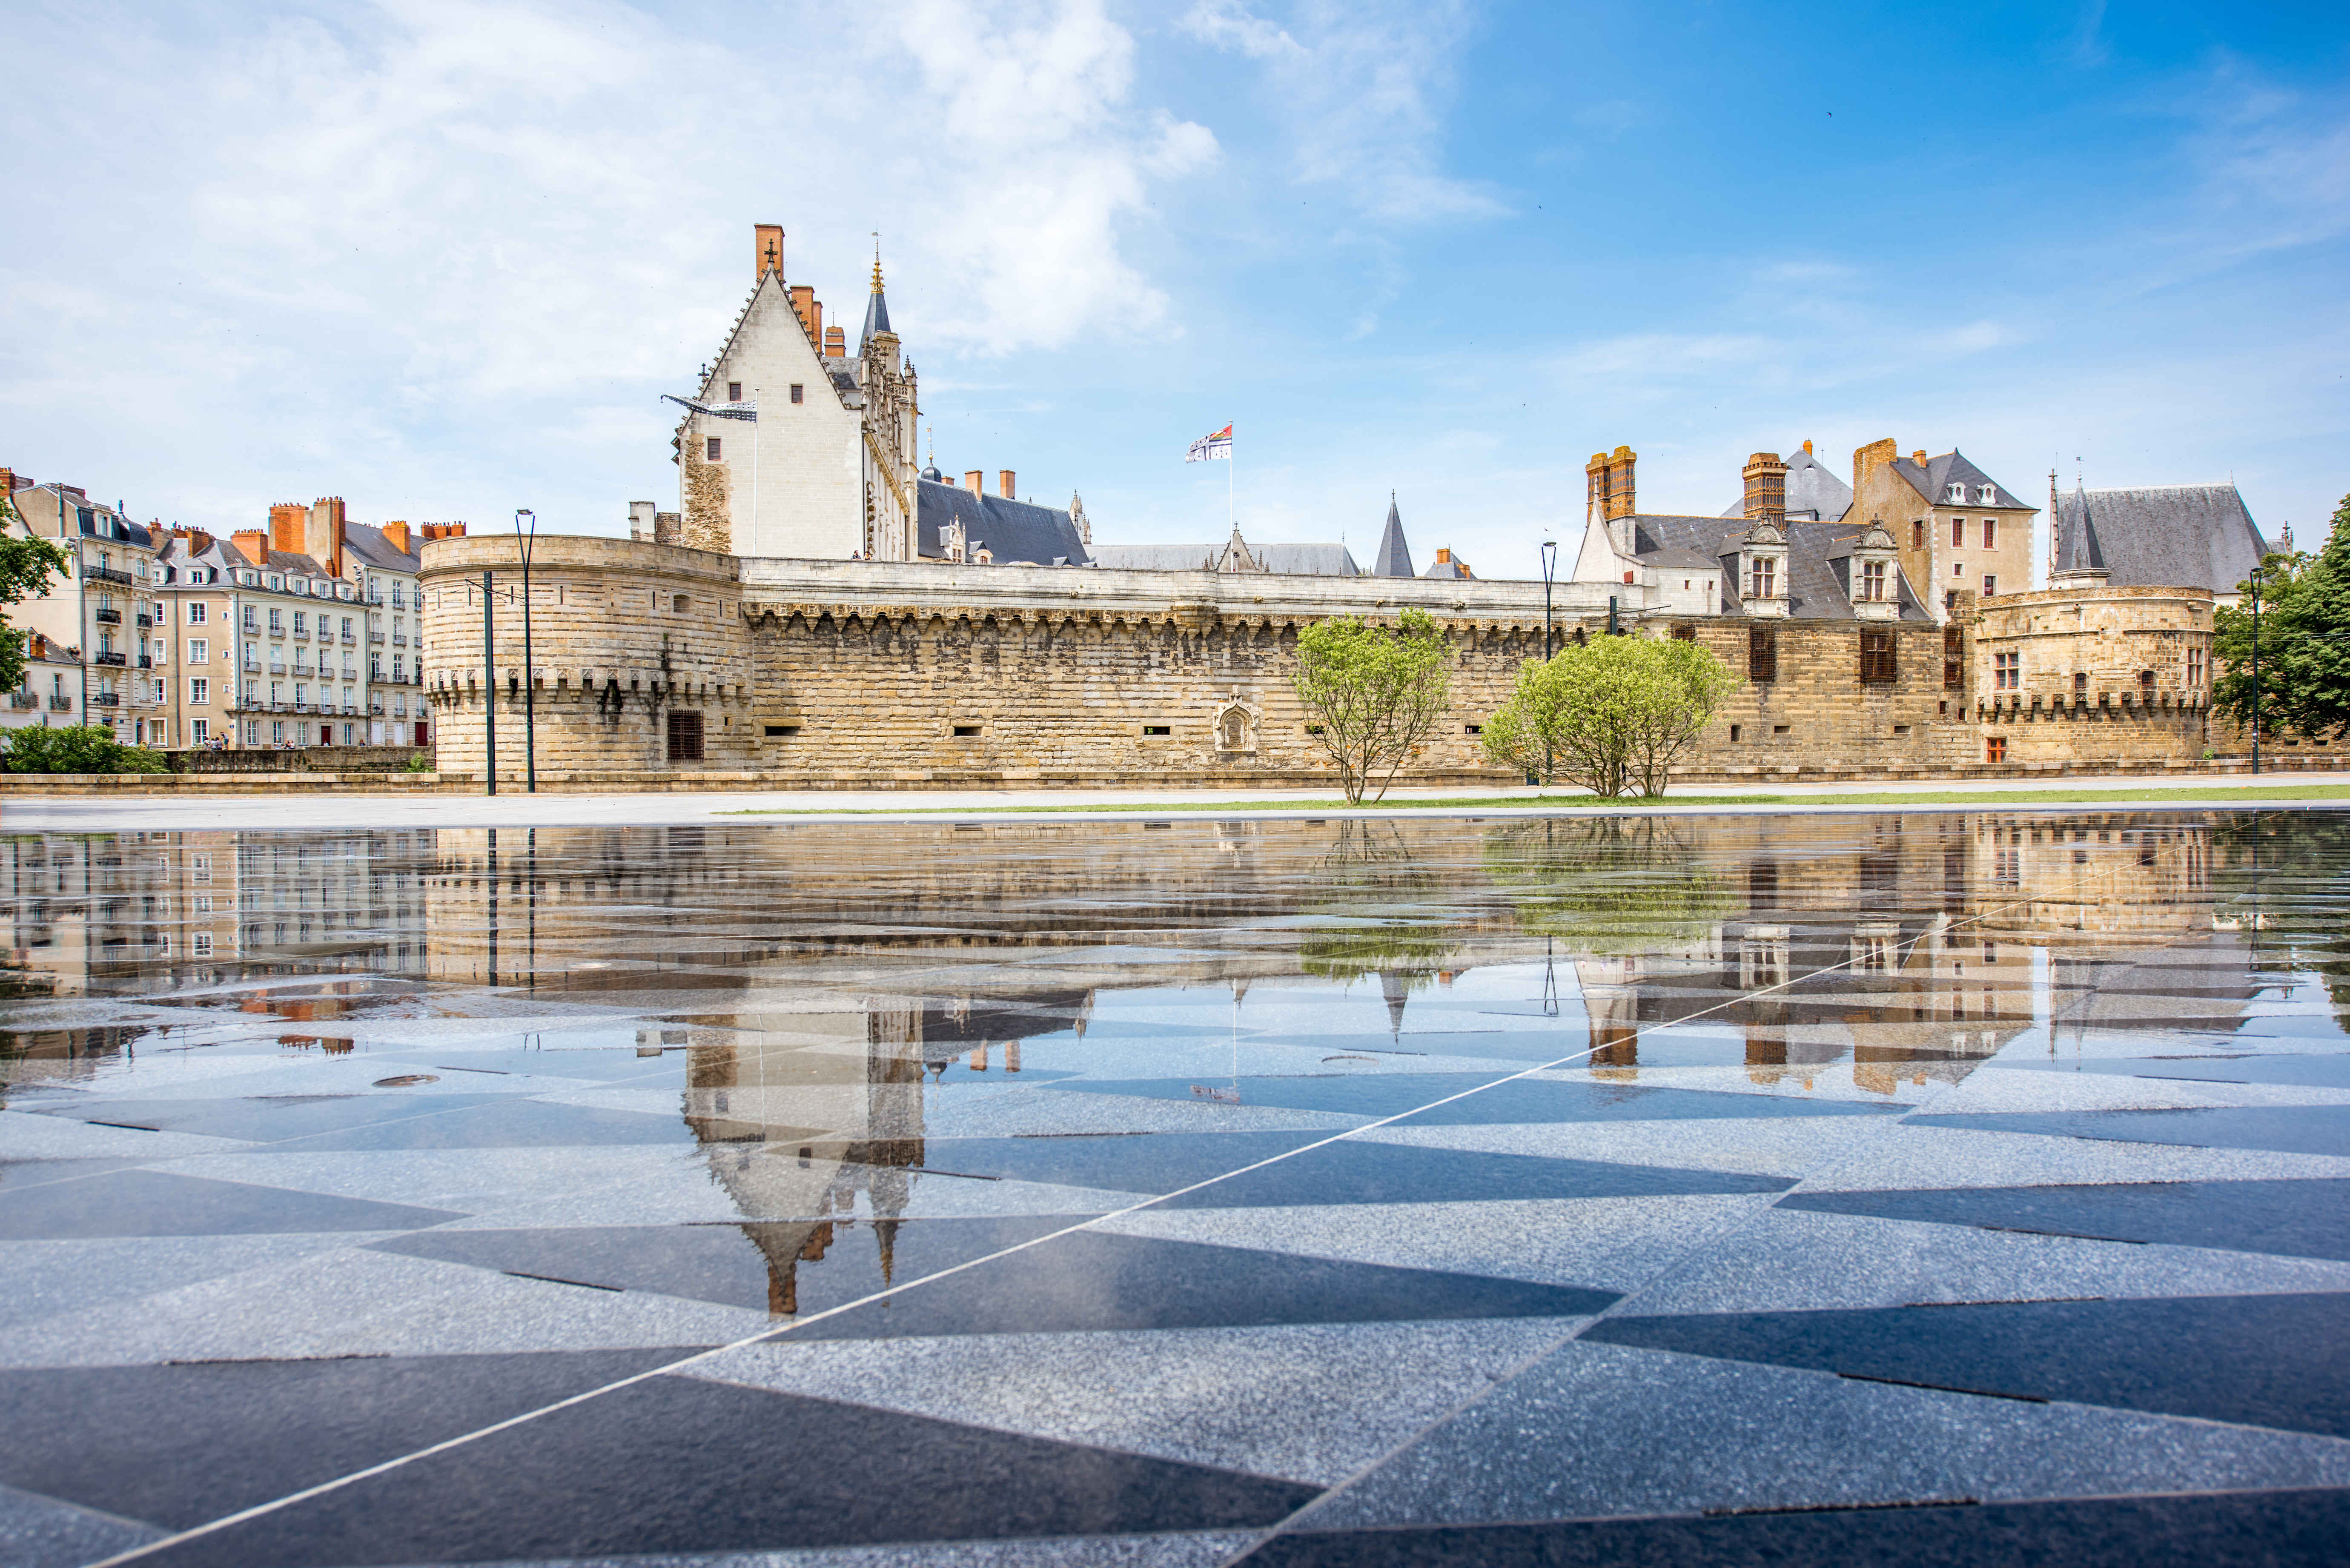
1807	449
1919	457
288	521
974	479
1868	459
1609	478
641	520
396	536
1004	485
769	240
322	534
836	343
1767	488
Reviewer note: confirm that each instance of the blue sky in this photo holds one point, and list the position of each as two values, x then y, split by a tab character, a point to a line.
441	259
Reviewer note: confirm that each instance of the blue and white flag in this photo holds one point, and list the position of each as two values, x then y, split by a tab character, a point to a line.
1208	447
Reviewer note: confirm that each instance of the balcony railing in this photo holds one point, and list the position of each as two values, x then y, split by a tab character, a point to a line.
21	700
351	635
399	640
146	662
107	698
107	616
106	575
60	703
276	668
375	637
114	658
253	667
145	620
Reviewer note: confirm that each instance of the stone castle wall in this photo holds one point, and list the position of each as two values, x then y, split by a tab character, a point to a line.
816	673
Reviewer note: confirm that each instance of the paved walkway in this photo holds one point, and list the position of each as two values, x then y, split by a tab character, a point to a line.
343	808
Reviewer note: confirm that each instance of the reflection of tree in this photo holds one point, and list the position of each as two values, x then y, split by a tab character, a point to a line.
2279	878
1350	952
1609	885
1371	881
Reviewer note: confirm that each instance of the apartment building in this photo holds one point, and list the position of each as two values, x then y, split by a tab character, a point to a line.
92	633
301	634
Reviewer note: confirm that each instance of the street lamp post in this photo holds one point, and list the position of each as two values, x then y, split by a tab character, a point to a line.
489	687
2255	578
529	675
1549	563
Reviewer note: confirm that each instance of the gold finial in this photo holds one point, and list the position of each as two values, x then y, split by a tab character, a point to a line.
876	261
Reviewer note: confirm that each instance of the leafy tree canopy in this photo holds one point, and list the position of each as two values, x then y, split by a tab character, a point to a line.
2304	642
76	749
1378	691
1611	715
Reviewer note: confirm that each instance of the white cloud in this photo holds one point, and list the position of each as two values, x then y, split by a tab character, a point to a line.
1362	89
362	247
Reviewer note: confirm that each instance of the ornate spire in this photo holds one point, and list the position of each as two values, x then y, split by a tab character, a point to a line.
877	308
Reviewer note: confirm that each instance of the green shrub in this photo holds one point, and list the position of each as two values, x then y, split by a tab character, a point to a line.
76	749
422	763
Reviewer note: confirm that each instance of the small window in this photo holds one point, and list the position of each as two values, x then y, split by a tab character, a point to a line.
1733	734
796	394
1779	728
1763	654
1313	729
1876	662
734	391
1684	634
1472	729
710	447
684	736
1990	532
1995	748
1958	568
2081	683
1959	533
1990	585
1917	536
1151	730
195	614
1900	728
682	604
773	730
966	729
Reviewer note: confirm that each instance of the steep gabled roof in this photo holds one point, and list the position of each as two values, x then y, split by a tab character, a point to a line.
1394	556
1934	480
2164	536
1811	487
369	544
1008	531
1815	586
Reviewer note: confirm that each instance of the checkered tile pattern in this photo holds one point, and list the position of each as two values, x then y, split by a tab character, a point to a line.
1276	1266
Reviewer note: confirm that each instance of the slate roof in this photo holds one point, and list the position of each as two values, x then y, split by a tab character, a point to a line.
1811	487
1010	531
1449	569
1282	560
876	314
2167	537
1394	556
1816	583
368	543
1934	480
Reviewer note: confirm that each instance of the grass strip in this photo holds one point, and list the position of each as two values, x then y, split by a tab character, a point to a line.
2214	794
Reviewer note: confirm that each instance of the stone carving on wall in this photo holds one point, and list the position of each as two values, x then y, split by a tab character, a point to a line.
1235	727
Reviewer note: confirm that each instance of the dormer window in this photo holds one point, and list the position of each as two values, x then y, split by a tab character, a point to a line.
1988	495
1957	492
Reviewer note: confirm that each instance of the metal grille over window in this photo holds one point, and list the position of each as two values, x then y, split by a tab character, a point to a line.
684	736
1877	657
1762	654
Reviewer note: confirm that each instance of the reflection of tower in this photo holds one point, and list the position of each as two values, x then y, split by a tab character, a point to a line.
1396	987
1763	977
1611	1001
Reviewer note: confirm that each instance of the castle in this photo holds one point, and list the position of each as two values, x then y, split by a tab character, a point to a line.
819	612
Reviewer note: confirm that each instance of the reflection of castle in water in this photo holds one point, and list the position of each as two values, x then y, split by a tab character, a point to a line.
1923	946
814	1120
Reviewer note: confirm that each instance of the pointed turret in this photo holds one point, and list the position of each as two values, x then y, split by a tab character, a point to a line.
1394	558
2079	559
877	309
1397	988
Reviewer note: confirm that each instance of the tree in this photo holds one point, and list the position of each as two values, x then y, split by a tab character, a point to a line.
26	565
1379	691
1613	715
76	749
2305	676
1611	885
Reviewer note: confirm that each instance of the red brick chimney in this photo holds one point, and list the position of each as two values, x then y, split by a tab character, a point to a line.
804	305
252	545
836	343
974	479
768	240
1003	484
322	534
396	536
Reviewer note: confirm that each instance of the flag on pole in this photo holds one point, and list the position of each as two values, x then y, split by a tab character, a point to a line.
1210	447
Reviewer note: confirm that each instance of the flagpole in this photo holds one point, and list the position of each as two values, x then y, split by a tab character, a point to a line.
1232	481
